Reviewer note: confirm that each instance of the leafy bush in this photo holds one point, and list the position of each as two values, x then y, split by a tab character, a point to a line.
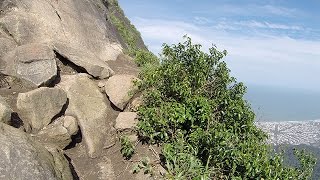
195	109
143	57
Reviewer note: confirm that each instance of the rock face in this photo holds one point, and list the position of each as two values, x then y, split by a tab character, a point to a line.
22	158
38	107
77	23
7	43
32	62
89	61
42	42
90	107
5	112
59	132
118	88
126	120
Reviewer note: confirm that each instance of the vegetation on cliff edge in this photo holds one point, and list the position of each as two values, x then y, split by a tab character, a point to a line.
129	34
196	111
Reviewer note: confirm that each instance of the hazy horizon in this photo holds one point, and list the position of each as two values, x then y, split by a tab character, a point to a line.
283	104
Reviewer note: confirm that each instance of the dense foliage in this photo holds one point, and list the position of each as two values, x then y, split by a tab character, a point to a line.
196	110
143	58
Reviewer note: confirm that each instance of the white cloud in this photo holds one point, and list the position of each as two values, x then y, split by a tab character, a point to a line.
277	10
267	25
201	20
251	10
259	59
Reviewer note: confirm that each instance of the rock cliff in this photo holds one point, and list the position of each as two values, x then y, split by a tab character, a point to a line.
64	79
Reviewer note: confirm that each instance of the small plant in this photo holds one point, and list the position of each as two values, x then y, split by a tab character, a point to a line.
145	165
127	147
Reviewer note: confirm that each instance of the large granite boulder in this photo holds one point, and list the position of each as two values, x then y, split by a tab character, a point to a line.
90	107
78	23
33	62
120	89
85	60
59	132
5	112
23	158
38	107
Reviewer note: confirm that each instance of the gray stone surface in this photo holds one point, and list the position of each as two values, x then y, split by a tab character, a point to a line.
38	107
7	43
5	111
118	88
33	62
101	168
105	169
59	132
84	59
23	158
292	132
126	120
90	107
77	23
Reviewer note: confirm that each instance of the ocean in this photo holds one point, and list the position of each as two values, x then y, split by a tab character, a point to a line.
272	104
283	104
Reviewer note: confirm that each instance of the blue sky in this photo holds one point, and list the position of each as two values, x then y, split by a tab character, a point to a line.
270	43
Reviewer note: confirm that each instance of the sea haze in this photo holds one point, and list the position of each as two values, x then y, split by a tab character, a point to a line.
283	104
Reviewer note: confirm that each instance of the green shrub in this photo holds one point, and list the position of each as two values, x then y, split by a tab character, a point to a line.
195	109
145	165
143	57
129	34
127	148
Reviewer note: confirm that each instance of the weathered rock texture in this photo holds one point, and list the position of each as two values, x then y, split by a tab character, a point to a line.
118	88
23	158
50	43
78	30
32	62
5	112
7	43
90	107
59	132
86	60
126	120
38	107
77	23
